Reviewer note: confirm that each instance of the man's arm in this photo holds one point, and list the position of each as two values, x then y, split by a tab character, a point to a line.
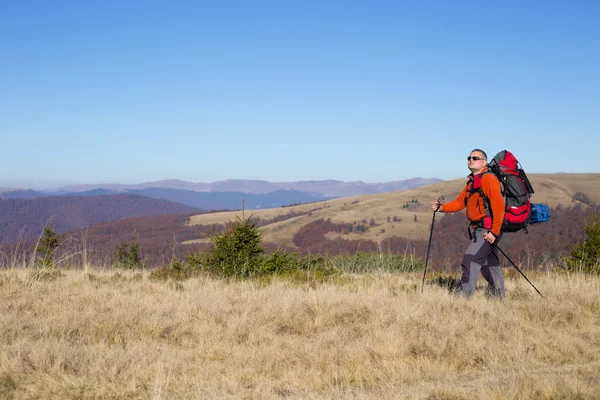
457	204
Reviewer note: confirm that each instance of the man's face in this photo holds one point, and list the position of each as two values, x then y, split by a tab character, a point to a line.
475	161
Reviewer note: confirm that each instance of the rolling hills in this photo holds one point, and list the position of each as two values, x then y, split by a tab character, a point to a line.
404	214
391	222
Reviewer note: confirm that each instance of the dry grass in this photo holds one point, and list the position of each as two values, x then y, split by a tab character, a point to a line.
107	335
551	189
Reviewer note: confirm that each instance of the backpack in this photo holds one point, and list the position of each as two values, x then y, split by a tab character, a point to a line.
519	212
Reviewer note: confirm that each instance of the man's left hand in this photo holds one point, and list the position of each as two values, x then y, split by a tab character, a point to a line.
489	237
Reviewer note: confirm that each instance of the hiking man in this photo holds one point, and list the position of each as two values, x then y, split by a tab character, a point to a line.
482	197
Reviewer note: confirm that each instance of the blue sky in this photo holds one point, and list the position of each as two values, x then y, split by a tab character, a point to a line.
137	91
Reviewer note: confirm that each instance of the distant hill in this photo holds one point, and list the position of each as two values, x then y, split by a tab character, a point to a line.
26	194
5	190
24	219
324	188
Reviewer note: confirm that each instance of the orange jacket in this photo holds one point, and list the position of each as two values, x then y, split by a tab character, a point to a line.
490	186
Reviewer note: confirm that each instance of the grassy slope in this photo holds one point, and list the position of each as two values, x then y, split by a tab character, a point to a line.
551	189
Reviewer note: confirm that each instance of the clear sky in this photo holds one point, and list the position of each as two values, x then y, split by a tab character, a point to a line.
135	91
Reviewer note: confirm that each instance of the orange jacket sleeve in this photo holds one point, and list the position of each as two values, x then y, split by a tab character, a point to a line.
457	204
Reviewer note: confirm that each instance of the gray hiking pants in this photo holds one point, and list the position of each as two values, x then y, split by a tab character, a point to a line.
481	256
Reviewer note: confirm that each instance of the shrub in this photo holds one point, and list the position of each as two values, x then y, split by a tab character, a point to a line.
176	271
311	269
128	256
47	246
237	251
585	256
280	263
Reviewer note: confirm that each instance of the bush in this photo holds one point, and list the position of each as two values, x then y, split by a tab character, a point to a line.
128	256
585	256
47	246
237	251
176	271
280	263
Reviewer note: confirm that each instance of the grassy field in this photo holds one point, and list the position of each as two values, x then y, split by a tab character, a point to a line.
109	335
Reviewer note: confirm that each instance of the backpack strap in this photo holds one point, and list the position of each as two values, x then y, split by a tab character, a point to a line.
475	187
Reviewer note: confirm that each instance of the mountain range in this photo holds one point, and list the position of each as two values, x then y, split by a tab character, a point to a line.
255	194
325	188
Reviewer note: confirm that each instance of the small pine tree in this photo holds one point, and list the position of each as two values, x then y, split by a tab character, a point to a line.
47	246
585	256
128	256
237	252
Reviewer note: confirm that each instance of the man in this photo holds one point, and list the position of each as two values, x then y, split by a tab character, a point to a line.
482	197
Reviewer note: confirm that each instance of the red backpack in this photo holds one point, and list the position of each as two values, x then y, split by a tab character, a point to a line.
516	190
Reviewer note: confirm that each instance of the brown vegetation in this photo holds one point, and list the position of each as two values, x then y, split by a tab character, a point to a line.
74	335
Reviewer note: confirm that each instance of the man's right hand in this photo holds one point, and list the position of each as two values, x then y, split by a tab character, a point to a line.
436	206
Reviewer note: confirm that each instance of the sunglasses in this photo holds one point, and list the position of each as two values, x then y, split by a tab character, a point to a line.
474	158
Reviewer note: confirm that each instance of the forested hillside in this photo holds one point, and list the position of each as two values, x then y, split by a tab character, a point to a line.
25	219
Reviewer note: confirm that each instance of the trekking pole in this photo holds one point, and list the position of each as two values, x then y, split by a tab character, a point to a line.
521	272
429	245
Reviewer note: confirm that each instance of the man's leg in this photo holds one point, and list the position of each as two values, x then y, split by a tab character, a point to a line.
474	258
492	273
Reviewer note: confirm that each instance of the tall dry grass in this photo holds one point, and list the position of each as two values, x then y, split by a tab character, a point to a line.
106	335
